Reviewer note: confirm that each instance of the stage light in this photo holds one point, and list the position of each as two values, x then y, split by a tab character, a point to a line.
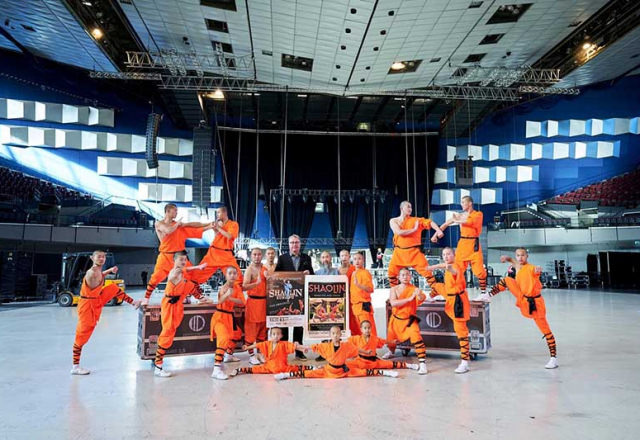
586	46
217	95
398	65
97	33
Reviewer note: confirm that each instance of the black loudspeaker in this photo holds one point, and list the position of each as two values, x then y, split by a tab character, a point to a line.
464	172
203	166
153	124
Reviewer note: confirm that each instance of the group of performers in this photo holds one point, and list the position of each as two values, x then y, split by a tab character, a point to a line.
355	357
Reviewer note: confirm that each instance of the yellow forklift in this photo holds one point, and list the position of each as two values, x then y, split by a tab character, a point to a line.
74	267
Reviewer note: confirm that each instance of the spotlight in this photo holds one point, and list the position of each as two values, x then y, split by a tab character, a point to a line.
398	65
586	46
97	33
217	95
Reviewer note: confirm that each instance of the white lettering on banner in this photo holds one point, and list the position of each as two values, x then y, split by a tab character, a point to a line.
196	323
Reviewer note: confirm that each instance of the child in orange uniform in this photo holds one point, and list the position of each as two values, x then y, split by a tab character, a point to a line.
255	318
172	308
525	285
93	297
172	236
275	352
223	325
407	241
403	323
336	353
469	250
360	293
457	302
369	342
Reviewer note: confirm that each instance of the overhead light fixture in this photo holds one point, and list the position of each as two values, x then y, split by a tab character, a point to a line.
217	95
302	96
97	33
87	3
397	65
586	46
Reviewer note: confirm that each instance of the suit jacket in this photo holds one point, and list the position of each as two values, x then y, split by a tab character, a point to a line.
285	264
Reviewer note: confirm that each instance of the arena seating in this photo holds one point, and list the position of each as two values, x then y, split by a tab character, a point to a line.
15	185
623	190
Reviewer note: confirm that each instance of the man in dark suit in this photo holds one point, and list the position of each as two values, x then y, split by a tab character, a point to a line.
294	261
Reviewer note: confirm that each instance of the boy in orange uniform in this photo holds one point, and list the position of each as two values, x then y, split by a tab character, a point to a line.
457	302
369	342
407	241
336	353
93	297
172	308
403	323
276	352
525	285
469	250
360	293
220	254
223	325
172	236
255	318
346	268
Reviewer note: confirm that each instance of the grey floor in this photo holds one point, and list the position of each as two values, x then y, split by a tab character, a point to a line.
595	394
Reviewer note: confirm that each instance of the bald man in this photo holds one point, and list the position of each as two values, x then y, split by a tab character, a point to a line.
326	266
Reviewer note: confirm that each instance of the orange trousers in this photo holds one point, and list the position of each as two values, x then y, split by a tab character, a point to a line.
171	316
465	255
255	332
271	369
224	340
89	311
164	264
380	364
399	330
362	315
412	257
216	259
335	373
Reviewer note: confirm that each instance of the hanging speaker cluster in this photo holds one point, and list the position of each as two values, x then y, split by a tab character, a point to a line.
464	171
153	125
203	166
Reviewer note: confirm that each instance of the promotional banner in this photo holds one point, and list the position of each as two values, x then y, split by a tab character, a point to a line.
327	297
285	300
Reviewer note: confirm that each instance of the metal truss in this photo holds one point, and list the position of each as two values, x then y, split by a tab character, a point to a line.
505	76
549	90
311	242
126	75
320	195
178	63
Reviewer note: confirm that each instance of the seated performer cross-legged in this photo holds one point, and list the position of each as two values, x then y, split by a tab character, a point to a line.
523	281
336	353
93	297
367	341
403	323
275	352
172	308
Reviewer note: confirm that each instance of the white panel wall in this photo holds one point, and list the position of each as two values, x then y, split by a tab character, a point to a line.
56	112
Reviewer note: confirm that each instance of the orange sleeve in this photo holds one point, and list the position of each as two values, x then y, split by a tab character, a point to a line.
368	280
475	221
426	223
237	292
190	232
234	229
380	343
352	350
319	348
262	347
290	347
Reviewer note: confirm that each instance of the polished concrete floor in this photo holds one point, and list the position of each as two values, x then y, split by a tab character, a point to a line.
595	394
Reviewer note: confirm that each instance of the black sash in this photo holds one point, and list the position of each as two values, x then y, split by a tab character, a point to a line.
412	319
221	249
410	247
366	306
90	297
476	245
342	367
458	307
257	297
368	358
235	322
173	298
532	303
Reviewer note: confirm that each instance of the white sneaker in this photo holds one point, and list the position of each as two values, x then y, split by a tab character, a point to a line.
78	370
230	358
483	297
234	373
462	368
253	360
422	368
413	367
389	373
553	363
219	374
439	298
159	372
389	355
281	376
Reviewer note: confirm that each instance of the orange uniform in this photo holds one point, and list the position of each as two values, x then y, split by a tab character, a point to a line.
371	361
172	312
220	254
170	244
224	329
457	305
89	310
526	288
469	250
255	318
403	324
361	300
276	359
407	251
353	322
336	367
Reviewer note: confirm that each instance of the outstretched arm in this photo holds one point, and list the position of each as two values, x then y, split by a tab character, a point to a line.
160	226
112	270
198	267
508	259
395	302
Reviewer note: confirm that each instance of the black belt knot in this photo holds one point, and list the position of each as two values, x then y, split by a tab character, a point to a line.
532	303
476	245
342	367
173	299
458	307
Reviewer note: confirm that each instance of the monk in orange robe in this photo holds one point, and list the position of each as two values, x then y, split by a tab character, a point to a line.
367	341
255	318
360	294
